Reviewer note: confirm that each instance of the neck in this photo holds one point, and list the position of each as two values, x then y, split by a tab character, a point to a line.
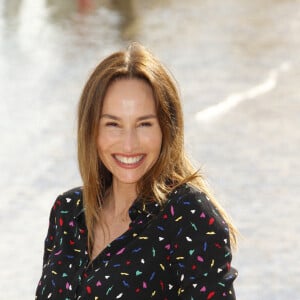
120	198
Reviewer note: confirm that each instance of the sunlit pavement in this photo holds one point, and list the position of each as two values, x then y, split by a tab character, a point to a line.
237	64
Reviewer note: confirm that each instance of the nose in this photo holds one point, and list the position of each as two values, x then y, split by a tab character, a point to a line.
130	141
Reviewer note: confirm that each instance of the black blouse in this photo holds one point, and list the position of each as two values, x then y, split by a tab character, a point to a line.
179	251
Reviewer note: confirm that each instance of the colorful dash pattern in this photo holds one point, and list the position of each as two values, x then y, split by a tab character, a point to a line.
179	251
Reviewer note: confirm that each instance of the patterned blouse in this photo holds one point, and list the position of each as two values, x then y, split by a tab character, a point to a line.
179	251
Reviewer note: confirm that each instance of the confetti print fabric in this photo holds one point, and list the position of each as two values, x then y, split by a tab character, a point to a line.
180	251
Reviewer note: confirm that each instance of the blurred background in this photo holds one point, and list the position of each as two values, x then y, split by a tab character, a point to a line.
237	65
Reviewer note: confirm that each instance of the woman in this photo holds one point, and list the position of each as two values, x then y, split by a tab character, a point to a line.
144	225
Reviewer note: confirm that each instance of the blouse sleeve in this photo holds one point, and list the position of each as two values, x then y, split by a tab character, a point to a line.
200	253
49	244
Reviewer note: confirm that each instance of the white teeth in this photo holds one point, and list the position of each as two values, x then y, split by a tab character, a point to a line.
129	160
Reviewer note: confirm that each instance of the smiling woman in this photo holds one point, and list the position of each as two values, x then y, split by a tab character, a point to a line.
144	225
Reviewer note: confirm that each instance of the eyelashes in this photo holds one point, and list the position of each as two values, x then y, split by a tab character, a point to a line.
111	124
145	124
117	125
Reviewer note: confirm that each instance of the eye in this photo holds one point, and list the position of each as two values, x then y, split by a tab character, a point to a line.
145	124
111	124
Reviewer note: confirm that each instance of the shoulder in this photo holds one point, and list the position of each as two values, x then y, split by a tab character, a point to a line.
73	193
188	206
187	197
70	201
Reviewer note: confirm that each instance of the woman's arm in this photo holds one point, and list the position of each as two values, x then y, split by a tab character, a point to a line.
200	251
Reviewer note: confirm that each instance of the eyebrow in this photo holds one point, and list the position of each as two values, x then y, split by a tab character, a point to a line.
142	118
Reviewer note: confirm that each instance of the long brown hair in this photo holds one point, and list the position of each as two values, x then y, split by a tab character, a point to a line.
172	167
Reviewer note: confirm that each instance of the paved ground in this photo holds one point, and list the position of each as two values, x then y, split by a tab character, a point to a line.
239	60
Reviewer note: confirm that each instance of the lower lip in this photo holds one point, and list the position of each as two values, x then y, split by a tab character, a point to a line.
130	166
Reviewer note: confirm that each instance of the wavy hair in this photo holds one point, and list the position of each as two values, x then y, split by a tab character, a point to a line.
172	167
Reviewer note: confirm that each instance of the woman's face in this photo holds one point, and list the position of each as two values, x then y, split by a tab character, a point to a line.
129	139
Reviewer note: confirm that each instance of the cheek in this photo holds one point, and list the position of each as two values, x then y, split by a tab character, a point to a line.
105	139
102	144
154	143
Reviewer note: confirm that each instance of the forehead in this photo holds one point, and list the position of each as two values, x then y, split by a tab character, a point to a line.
127	96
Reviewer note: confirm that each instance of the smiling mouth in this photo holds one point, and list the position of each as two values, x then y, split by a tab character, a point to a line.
129	160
